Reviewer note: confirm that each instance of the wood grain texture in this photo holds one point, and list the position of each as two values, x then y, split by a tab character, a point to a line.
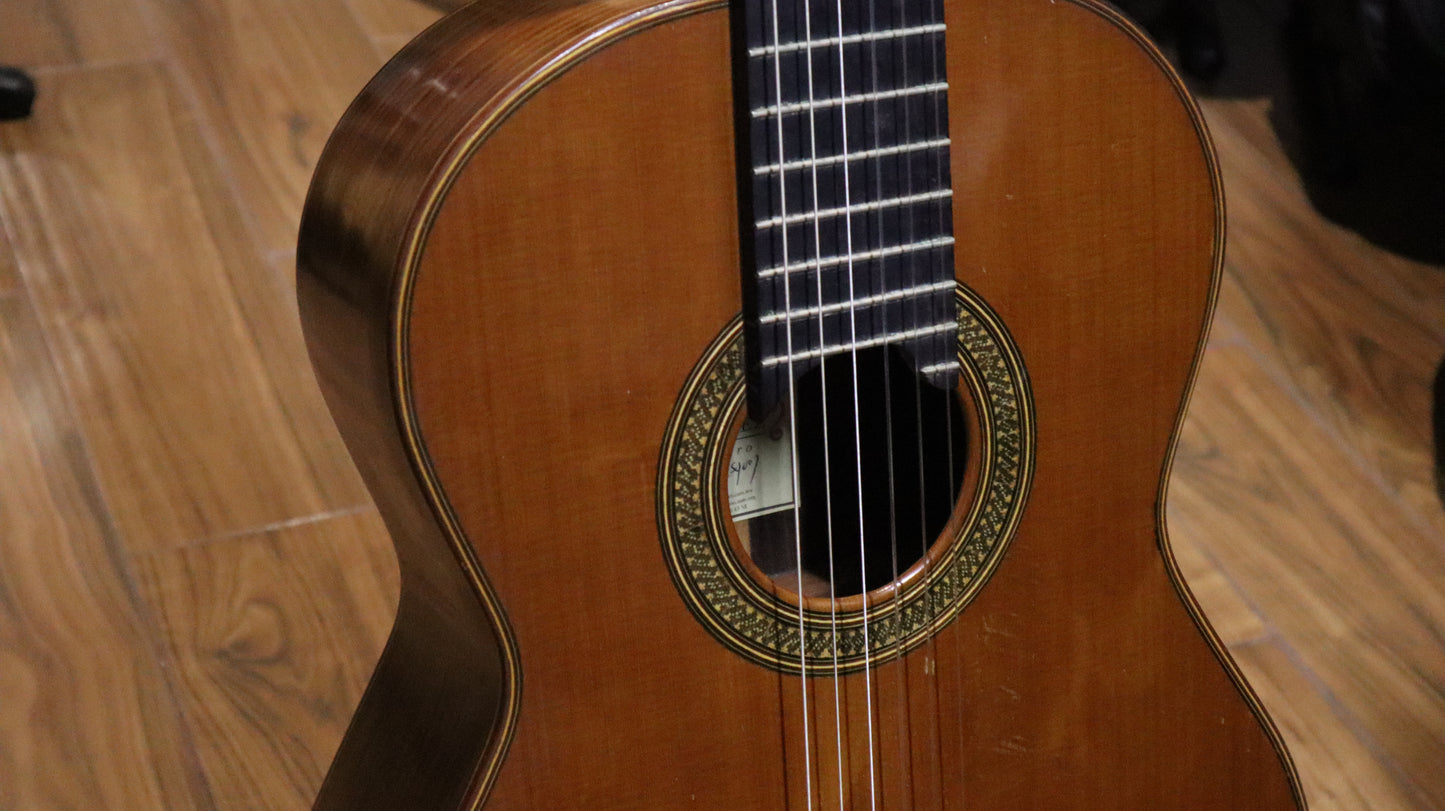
397	19
272	636
1369	378
1249	528
266	293
1309	563
88	718
268	79
1229	611
126	251
1341	770
127	262
9	270
52	33
1046	217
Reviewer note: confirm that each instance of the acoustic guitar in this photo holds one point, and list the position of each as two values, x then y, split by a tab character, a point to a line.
772	405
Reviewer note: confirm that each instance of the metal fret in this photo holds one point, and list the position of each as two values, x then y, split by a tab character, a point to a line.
928	122
850	346
851	39
849	241
857	256
823	104
940	368
865	301
866	154
858	208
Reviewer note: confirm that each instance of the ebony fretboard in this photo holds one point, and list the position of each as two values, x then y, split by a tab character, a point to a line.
846	189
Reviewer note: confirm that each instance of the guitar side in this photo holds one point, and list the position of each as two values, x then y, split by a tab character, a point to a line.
492	234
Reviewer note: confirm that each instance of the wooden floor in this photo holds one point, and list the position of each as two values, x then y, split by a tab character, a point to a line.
193	584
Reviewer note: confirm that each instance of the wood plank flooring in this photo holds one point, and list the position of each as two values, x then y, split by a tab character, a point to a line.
194	585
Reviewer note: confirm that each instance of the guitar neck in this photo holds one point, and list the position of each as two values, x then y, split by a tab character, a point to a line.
846	195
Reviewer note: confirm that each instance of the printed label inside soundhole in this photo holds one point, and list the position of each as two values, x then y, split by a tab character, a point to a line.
760	472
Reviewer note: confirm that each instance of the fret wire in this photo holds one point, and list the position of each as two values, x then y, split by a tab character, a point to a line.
851	39
871	205
866	301
877	340
832	156
882	95
942	366
876	253
880	152
890	125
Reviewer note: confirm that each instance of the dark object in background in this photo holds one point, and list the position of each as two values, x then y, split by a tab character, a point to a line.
17	94
1369	83
1188	28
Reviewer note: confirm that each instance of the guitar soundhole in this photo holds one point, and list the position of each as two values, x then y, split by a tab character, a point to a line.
881	462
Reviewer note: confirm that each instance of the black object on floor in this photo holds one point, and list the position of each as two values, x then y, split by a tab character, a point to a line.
17	94
1369	80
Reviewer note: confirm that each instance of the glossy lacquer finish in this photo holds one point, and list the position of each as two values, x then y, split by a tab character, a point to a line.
519	243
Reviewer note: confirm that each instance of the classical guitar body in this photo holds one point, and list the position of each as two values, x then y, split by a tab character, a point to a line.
520	275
